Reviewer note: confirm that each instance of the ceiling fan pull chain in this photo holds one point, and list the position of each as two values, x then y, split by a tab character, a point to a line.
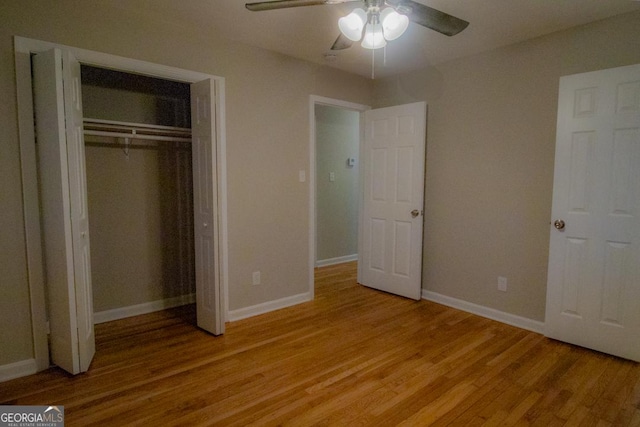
373	64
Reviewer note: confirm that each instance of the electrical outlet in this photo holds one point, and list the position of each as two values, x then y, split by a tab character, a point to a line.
502	284
256	278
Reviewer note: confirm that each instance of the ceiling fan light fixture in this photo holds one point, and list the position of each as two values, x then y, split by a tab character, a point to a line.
373	37
351	25
394	24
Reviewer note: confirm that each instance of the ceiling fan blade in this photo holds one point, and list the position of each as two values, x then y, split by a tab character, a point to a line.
429	17
285	4
341	43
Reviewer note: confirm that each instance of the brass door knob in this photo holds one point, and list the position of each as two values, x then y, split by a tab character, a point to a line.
415	213
558	224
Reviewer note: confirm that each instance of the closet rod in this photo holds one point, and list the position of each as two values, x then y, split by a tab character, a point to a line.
90	121
136	136
111	128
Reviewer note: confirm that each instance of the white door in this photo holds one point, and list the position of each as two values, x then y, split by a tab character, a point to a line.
205	208
393	156
62	179
593	290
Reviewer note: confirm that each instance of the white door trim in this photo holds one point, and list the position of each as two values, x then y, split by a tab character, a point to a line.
313	101
24	47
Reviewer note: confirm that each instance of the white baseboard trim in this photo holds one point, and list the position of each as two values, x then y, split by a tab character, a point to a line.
265	307
138	309
338	260
18	369
480	310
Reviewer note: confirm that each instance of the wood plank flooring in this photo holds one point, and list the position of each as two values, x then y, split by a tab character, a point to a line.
353	357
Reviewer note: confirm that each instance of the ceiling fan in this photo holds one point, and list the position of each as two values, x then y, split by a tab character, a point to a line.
378	23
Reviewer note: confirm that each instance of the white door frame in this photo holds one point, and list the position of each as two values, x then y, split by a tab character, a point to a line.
346	105
24	47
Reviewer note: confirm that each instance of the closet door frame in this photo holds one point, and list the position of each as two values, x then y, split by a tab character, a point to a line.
24	48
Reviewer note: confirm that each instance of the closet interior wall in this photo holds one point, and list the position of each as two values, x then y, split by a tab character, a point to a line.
139	194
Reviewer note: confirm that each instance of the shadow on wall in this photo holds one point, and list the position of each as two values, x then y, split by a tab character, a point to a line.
176	227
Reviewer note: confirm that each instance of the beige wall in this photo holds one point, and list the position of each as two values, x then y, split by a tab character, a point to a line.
267	144
490	155
140	203
138	252
337	139
489	168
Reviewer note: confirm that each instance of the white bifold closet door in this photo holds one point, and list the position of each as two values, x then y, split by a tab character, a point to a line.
205	208
65	221
64	211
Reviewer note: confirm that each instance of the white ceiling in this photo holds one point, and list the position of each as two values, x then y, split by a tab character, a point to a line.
308	32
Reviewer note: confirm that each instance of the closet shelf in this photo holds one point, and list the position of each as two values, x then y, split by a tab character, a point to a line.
115	129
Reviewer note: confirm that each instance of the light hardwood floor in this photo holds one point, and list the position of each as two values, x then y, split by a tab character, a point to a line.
353	356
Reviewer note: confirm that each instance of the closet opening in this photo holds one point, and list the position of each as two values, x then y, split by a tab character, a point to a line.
49	86
137	133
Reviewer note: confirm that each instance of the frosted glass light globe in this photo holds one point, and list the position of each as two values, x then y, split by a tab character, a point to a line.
352	24
393	23
373	38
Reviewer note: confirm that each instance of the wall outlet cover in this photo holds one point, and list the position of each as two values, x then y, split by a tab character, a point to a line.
502	284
